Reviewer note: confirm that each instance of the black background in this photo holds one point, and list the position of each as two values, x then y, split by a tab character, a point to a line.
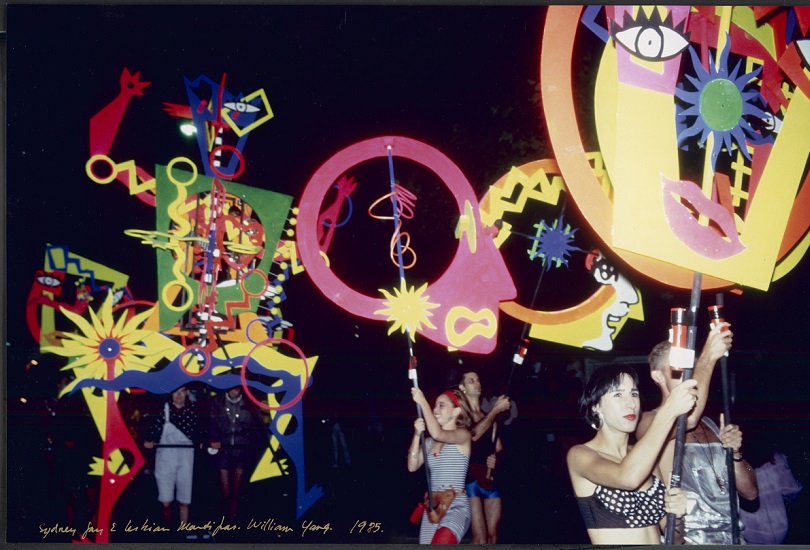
462	79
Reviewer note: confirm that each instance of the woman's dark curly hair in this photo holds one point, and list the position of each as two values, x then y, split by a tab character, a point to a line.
603	380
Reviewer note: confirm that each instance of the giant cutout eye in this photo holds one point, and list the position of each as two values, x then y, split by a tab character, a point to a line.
652	43
45	280
650	38
241	107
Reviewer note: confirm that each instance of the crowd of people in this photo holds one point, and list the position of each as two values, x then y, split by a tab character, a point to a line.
620	476
225	429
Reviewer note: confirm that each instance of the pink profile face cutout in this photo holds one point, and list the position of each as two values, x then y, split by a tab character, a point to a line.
461	306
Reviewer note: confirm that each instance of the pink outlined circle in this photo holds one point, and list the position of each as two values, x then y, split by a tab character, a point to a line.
206	365
240	167
322	181
243	375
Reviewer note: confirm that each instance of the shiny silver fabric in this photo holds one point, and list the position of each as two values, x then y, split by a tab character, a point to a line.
705	479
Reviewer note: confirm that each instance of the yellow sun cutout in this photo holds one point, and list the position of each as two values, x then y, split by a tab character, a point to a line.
407	309
106	347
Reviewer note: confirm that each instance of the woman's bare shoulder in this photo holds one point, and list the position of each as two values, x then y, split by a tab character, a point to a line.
581	453
583	448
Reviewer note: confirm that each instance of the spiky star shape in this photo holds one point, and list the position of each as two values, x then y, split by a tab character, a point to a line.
719	105
106	347
553	243
407	309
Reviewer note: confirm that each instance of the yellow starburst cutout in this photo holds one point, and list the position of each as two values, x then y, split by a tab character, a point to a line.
103	341
407	309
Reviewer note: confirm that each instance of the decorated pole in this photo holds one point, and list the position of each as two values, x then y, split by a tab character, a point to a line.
522	346
548	255
411	358
708	179
680	431
549	250
716	316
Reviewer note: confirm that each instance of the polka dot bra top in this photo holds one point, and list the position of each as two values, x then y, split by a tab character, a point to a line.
609	508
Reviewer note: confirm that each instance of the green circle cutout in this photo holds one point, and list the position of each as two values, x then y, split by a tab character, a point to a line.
721	105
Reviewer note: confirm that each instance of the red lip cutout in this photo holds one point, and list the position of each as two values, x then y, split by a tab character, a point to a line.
704	240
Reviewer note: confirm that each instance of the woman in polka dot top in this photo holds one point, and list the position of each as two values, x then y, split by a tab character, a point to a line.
618	488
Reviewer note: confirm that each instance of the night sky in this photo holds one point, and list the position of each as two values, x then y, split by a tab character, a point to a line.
462	79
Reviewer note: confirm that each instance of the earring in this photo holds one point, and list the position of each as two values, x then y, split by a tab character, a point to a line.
601	422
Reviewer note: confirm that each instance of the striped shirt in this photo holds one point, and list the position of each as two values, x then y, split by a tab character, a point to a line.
448	470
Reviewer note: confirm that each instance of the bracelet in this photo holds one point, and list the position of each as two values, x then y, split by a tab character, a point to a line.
735	459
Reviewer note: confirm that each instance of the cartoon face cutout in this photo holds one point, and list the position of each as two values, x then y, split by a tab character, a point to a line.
460	308
240	240
71	282
701	149
516	199
615	310
217	112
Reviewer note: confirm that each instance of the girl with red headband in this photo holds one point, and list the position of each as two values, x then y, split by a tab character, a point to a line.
448	450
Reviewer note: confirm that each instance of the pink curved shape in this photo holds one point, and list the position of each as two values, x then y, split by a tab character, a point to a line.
702	239
243	375
477	280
